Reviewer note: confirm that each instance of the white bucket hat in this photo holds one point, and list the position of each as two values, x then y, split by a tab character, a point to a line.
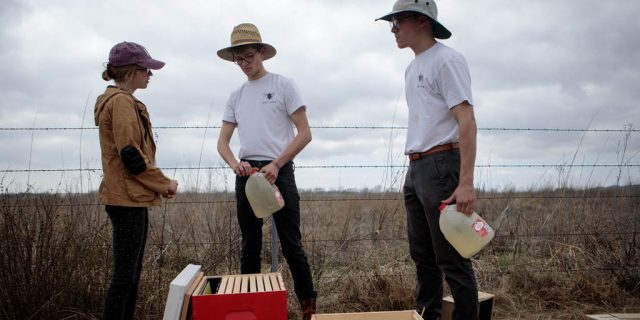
426	7
243	34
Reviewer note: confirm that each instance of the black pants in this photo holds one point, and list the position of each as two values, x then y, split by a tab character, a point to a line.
287	221
429	181
129	238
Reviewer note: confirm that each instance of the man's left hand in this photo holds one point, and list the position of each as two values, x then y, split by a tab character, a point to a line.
465	198
270	172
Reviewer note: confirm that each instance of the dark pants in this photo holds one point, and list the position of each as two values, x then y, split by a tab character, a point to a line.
429	181
129	238
287	221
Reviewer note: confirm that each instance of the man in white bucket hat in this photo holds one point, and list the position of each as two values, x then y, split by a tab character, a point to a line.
265	110
441	146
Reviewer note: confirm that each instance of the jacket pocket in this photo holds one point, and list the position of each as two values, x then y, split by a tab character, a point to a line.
137	191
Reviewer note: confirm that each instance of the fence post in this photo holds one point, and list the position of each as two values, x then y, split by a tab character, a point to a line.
274	246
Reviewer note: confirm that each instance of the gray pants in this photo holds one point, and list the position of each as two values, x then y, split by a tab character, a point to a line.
429	181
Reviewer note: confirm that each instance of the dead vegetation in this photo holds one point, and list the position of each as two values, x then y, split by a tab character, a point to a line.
558	254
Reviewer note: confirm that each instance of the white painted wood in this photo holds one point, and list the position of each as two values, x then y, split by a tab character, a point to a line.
177	290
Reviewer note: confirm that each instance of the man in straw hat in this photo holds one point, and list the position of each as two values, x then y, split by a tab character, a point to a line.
441	146
265	110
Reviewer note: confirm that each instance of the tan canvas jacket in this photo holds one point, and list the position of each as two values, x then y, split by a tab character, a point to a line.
123	123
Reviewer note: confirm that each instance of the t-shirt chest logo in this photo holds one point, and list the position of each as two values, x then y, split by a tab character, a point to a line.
269	98
421	83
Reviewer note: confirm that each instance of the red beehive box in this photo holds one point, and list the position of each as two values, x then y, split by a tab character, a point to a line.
240	297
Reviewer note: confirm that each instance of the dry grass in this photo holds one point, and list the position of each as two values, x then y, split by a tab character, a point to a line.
558	254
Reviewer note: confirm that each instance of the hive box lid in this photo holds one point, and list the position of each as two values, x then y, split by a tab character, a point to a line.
180	291
386	315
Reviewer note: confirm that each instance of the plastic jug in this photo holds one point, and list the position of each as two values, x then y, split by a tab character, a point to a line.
467	234
264	197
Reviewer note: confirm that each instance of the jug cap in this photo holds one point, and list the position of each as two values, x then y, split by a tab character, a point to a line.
442	206
254	170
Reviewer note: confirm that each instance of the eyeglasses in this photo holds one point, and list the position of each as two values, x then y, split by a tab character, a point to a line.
395	22
248	58
146	70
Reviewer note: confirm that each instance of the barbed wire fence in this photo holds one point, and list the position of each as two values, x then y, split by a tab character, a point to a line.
628	130
396	197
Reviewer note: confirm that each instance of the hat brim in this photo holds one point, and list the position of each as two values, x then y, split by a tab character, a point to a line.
227	53
152	64
439	31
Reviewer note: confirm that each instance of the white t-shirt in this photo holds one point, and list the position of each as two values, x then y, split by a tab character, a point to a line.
262	110
435	81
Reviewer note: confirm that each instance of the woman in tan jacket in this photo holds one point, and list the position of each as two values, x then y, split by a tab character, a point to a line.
131	181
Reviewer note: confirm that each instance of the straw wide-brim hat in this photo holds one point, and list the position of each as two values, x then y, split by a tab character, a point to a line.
243	34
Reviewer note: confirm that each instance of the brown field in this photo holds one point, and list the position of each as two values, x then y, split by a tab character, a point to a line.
558	254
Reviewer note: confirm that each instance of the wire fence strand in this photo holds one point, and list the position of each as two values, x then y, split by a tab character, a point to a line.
97	170
359	199
354	127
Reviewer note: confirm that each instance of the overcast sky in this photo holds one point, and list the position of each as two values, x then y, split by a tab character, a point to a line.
571	64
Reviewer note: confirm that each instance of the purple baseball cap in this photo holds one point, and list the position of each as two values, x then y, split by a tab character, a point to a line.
128	53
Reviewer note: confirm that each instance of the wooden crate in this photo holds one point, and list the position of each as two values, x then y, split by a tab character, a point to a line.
485	306
615	316
387	315
247	296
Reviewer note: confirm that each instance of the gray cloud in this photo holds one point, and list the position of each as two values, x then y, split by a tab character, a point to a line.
540	64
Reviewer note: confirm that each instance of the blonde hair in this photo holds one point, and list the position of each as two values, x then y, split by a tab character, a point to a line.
118	74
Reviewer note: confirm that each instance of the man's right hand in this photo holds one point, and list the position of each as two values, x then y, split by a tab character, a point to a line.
242	169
